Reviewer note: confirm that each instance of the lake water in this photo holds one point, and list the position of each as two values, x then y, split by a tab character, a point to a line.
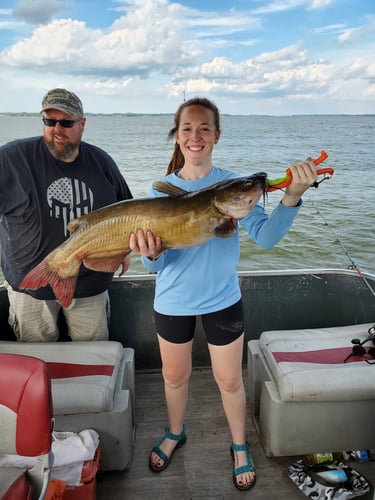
336	224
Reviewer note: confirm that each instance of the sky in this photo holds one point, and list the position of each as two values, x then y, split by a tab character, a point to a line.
251	57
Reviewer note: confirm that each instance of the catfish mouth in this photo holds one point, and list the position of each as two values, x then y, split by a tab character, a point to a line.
258	180
245	203
252	184
241	196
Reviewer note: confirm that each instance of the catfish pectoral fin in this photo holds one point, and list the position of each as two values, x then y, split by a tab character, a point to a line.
42	275
63	288
226	229
104	264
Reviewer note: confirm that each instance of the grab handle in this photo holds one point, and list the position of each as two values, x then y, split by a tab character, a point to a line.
284	182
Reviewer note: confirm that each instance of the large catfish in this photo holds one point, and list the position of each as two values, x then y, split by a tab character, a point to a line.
100	239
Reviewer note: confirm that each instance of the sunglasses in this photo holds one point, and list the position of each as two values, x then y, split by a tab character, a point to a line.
359	350
51	122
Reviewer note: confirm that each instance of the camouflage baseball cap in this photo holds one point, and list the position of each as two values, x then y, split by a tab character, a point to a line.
62	100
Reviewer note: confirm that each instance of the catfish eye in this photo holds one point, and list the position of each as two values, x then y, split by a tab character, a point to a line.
236	198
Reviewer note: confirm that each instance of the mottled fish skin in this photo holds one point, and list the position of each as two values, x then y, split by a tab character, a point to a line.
100	239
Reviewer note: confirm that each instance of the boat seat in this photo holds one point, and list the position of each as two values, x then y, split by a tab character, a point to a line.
25	425
304	398
92	388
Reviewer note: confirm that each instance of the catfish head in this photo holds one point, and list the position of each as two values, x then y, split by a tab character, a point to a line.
236	198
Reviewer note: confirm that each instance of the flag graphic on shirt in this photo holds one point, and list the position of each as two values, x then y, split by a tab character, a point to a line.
69	198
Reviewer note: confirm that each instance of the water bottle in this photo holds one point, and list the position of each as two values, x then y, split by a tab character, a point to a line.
356	455
318	458
333	476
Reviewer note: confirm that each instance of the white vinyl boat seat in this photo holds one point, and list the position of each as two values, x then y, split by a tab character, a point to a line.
92	388
26	425
304	398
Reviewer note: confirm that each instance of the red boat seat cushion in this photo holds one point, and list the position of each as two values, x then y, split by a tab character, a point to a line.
83	374
25	411
308	365
14	484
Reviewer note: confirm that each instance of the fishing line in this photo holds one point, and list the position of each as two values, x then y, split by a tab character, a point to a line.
285	181
338	240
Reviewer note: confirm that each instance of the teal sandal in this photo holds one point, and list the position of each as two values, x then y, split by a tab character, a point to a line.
181	440
249	467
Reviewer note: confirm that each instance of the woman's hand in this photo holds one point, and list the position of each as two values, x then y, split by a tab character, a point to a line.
146	245
303	177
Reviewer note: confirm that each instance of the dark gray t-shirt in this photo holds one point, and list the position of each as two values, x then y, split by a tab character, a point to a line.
39	195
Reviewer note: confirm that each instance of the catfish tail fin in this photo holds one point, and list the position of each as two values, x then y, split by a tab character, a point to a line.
42	275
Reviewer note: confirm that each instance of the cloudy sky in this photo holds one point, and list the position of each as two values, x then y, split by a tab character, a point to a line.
144	56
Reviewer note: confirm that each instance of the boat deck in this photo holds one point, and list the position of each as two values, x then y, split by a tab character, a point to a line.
202	469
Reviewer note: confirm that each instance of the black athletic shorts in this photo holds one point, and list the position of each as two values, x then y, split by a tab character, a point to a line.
221	327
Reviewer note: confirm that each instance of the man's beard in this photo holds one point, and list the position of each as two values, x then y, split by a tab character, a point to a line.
64	154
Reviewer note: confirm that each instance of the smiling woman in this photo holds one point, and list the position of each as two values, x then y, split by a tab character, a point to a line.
189	285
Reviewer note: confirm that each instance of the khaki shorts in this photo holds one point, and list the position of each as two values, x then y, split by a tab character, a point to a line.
34	320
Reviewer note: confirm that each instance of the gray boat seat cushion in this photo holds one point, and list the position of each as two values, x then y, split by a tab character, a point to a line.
308	365
83	374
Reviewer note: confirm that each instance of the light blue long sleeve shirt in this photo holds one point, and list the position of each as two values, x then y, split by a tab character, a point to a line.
203	279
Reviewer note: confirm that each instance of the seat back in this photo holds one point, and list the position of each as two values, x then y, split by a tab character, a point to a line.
26	417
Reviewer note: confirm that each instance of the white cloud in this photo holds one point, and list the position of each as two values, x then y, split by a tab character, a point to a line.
287	72
37	51
140	43
319	4
362	34
250	70
285	5
348	35
329	27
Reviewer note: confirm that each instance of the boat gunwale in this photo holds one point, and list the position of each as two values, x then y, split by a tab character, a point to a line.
261	272
266	272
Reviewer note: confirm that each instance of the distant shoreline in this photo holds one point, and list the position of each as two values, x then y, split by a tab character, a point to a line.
5	113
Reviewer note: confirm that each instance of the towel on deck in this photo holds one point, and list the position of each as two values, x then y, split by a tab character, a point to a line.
70	451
